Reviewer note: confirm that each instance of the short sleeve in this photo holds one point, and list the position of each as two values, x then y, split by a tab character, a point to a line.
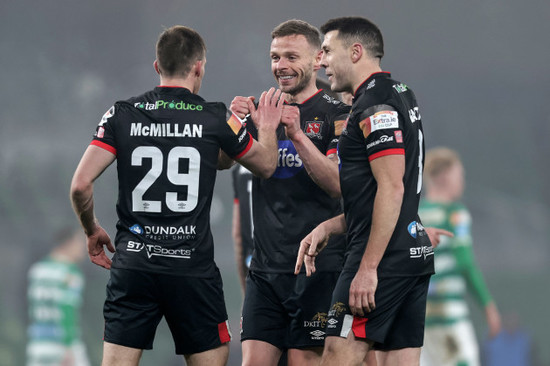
382	130
234	138
104	136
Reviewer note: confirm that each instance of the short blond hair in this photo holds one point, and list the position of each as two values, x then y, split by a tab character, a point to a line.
439	160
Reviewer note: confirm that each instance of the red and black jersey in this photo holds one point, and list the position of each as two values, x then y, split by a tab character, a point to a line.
290	204
166	143
384	120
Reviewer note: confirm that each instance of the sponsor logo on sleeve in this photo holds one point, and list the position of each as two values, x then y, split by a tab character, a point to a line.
235	123
383	139
401	88
414	114
339	126
383	120
398	136
107	115
100	132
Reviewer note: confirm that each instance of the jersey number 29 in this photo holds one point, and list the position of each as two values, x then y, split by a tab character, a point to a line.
189	179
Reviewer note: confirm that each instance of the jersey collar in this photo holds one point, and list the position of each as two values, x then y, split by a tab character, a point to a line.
364	84
177	91
318	92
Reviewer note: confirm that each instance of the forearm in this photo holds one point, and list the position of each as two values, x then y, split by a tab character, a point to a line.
83	205
322	170
471	272
266	155
335	226
387	205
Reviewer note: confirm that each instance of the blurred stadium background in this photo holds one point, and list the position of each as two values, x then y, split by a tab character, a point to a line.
479	69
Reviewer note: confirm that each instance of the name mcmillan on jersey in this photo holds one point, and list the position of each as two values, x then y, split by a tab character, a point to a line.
165	130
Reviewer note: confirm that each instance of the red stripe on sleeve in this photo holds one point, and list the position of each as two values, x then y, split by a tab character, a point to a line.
235	200
359	327
387	152
331	151
104	146
246	148
223	331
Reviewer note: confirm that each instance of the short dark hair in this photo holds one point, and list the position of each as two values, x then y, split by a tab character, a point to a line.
178	48
353	29
298	27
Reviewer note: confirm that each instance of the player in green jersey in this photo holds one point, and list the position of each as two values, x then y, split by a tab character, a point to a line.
449	334
55	291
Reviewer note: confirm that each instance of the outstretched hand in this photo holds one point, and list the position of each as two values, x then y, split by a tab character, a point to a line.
270	109
95	243
434	234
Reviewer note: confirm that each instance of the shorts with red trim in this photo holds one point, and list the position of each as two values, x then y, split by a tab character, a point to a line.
194	309
396	322
286	310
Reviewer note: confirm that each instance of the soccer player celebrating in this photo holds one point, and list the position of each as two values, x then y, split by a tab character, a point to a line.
380	298
450	338
167	145
283	311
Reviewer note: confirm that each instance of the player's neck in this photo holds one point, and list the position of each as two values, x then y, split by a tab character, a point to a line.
179	83
363	73
303	95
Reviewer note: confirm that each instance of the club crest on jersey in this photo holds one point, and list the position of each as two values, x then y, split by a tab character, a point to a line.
288	162
313	128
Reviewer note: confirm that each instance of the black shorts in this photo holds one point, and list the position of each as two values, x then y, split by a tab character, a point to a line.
194	309
286	310
396	322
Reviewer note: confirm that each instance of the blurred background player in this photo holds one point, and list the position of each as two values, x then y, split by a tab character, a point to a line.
56	284
242	226
449	336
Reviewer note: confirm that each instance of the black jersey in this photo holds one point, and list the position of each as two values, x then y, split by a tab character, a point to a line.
166	142
242	193
384	120
290	204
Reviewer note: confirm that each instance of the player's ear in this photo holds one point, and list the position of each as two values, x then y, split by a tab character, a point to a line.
156	66
198	69
356	51
317	64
